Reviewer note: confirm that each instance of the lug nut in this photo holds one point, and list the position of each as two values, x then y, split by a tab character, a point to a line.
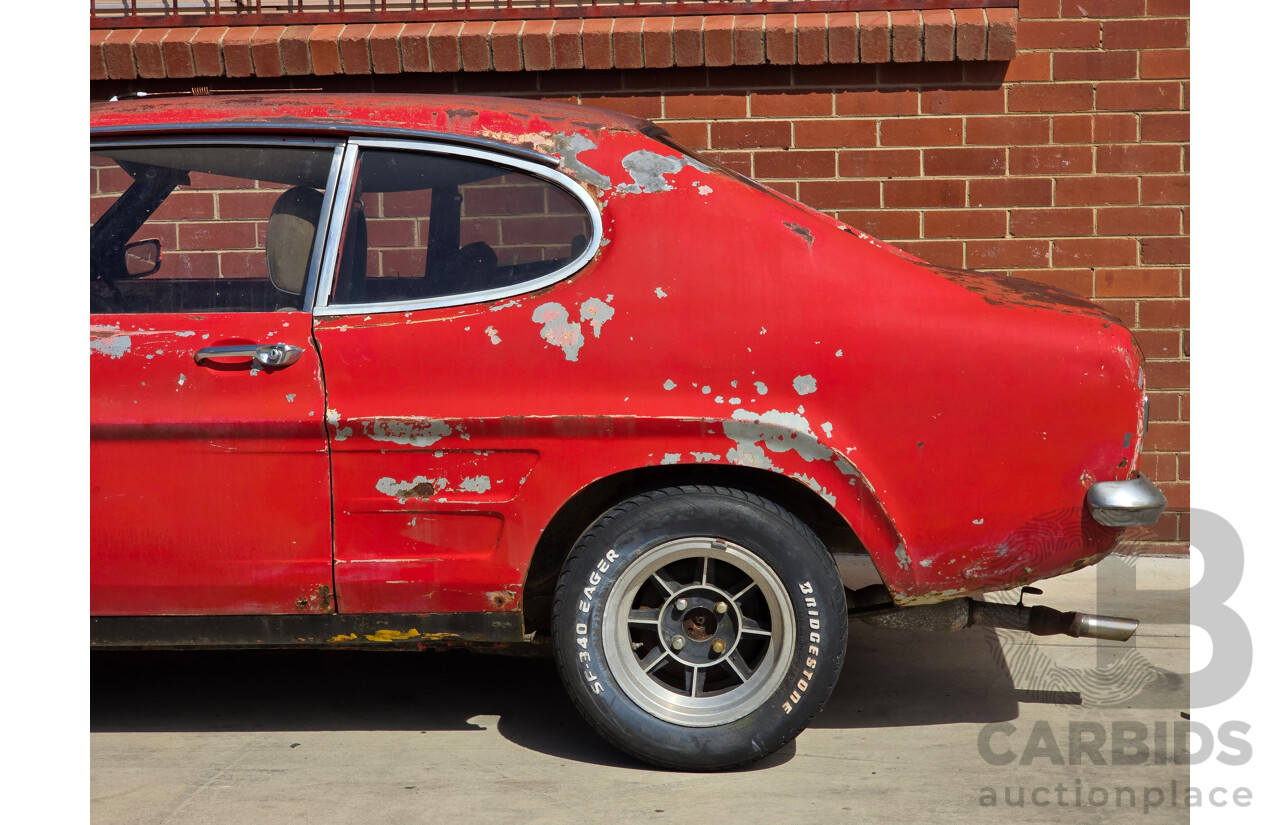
677	642
721	607
682	604
717	646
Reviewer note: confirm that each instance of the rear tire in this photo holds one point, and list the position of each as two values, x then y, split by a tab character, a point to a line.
699	628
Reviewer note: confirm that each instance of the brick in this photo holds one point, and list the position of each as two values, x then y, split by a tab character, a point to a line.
750	134
939	35
971	34
965	223
748	39
1095	252
646	106
1059	34
295	54
1035	67
705	105
875	102
686	38
1051	97
535	46
1139	158
264	49
1144	282
962	101
1006	254
1007	130
841	38
325	57
1095	65
780	39
176	47
717	40
922	131
1051	160
791	104
1049	223
1002	34
1166	313
1159	343
207	50
628	43
1011	192
117	50
1032	9
1166	64
1073	129
906	30
384	48
237	56
1171	189
1139	96
1124	309
840	194
692	135
504	44
415	47
97	60
811	39
1103	8
967	161
1166	251
1144	34
873	37
939	253
879	163
473	46
795	164
1169	8
1095	190
659	42
566	44
1077	281
835	133
933	193
147	53
353	49
1115	128
1139	220
1168	375
889	224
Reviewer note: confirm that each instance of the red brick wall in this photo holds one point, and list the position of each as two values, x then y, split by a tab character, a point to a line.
1067	165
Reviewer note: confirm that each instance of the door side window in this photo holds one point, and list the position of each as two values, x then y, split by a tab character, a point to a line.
426	226
217	228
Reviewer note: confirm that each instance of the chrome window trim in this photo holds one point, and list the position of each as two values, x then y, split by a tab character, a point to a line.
337	150
338	218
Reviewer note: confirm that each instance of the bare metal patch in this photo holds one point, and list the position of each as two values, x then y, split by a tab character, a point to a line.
569	147
476	484
805	384
595	312
114	346
419	487
801	231
558	330
410	432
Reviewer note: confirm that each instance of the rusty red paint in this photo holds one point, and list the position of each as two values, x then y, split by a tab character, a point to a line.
952	420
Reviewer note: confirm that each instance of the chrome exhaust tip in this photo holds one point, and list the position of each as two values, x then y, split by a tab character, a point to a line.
1111	628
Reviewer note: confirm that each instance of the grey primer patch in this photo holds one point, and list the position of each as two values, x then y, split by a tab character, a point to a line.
647	170
187	334
114	347
569	147
419	487
476	484
761	388
774	430
704	457
805	384
668	385
901	553
671	458
334	418
290	396
801	231
595	312
558	330
409	432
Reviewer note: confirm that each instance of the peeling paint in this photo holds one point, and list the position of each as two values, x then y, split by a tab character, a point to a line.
671	458
420	487
334	418
558	330
492	332
801	231
185	334
826	428
409	432
476	484
761	388
705	190
290	396
648	171
812	484
114	347
343	637
660	292
595	312
901	554
979	520
668	385
568	147
805	384
182	379
386	635
774	430
703	458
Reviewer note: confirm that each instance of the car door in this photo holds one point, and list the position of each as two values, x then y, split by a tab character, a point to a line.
431	510
209	458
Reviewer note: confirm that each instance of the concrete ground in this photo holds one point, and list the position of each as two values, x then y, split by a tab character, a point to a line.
333	737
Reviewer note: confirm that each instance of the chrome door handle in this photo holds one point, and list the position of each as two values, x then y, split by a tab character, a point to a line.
267	355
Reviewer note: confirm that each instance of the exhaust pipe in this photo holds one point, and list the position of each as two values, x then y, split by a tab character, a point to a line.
961	613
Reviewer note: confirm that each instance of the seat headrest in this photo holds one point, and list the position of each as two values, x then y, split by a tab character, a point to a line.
291	231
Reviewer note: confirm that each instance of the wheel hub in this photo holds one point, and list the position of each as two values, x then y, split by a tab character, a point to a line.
706	623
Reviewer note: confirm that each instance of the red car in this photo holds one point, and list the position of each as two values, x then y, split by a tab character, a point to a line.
425	371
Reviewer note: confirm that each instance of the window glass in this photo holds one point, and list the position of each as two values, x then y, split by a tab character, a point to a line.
203	228
426	226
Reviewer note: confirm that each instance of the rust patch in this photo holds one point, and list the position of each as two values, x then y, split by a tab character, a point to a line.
999	290
501	598
801	231
318	599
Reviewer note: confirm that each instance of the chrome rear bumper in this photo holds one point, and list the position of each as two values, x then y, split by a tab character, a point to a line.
1126	503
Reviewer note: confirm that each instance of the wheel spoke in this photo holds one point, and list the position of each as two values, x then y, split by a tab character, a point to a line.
744	591
695	679
706	569
666	582
652	659
753	627
643	615
739	666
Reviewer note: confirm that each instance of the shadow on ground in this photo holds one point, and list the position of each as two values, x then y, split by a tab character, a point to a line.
891	678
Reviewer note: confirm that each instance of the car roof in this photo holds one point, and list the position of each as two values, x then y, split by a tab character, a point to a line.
515	122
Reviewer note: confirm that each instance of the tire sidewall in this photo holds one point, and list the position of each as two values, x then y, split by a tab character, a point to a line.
812	587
